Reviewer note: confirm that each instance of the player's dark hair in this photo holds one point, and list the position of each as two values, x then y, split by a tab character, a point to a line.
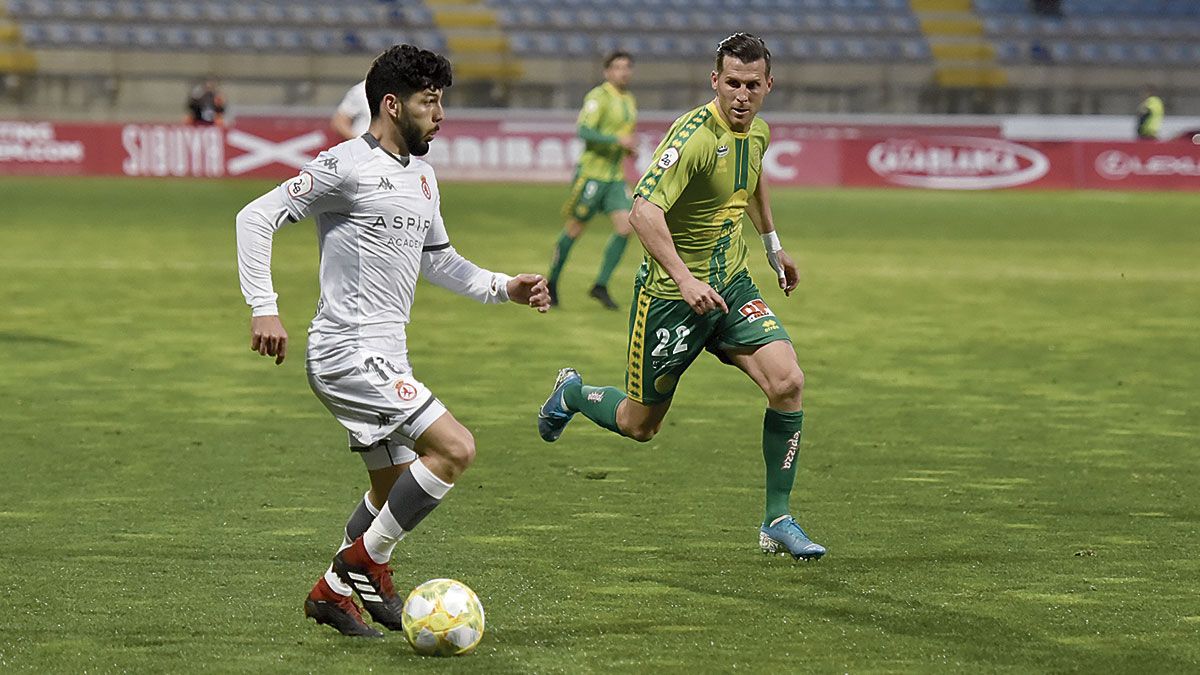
745	47
618	54
404	70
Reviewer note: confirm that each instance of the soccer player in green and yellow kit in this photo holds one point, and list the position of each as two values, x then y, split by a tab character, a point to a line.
694	293
606	125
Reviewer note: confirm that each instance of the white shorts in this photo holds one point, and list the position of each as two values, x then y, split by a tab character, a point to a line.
379	402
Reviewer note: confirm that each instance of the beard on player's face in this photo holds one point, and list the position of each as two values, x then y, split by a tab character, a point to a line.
410	133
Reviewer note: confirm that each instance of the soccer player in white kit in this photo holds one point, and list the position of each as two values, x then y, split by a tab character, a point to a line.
352	116
379	225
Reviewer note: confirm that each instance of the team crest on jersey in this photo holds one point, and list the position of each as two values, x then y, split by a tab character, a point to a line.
722	151
300	185
405	390
425	188
668	158
755	310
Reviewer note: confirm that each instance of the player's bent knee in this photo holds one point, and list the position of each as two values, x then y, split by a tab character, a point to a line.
642	432
788	388
458	451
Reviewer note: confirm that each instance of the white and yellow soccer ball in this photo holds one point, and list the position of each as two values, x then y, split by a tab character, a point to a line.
443	617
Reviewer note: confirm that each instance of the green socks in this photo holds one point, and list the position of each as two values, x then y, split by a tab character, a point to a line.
598	404
781	451
561	248
612	255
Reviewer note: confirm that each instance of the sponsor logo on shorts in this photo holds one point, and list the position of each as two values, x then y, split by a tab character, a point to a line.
596	396
793	446
755	310
300	185
770	325
406	390
425	188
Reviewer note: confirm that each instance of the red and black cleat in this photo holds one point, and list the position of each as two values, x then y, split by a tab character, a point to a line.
372	583
333	609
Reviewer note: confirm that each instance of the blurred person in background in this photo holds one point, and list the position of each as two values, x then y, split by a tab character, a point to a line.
353	115
606	125
1149	115
206	105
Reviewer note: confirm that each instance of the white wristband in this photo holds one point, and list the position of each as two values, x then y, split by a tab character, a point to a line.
771	242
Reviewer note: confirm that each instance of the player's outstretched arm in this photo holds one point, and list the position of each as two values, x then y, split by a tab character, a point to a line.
650	223
530	289
758	207
443	266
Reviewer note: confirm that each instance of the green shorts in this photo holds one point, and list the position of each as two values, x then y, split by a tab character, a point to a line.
590	197
666	336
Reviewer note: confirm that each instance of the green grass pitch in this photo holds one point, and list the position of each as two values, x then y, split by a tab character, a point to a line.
1002	446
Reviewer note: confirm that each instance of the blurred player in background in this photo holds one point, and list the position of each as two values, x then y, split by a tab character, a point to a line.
694	293
352	116
606	125
379	225
206	105
1150	116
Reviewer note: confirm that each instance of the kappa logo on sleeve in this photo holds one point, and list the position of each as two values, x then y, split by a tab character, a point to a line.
755	310
668	159
300	185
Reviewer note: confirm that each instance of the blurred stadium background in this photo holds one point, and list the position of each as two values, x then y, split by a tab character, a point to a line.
1023	70
104	58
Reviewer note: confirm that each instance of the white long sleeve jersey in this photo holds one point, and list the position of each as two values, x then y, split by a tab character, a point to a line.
379	225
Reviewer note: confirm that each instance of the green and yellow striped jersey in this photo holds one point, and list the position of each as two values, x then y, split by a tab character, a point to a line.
702	178
607	114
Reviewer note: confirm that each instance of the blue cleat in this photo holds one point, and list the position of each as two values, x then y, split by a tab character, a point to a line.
553	416
784	536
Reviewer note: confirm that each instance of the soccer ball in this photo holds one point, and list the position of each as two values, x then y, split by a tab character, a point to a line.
443	617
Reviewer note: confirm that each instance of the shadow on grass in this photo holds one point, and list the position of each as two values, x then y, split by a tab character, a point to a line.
967	635
40	340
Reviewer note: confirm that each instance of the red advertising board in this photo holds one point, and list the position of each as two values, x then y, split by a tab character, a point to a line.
1139	166
956	163
499	148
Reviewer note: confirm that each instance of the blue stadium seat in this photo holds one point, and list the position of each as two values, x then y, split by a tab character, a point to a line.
89	35
1148	53
915	49
101	9
118	34
1061	51
147	36
1090	53
70	9
1009	52
1117	53
204	38
176	37
323	40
